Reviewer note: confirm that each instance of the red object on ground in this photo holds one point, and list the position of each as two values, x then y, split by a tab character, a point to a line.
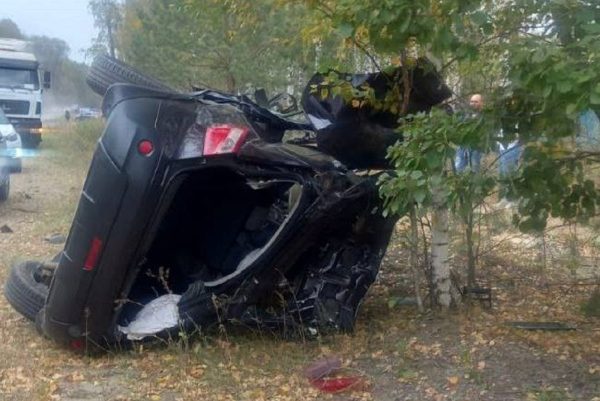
335	384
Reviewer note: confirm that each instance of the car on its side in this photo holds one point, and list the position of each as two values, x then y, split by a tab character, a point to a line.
12	151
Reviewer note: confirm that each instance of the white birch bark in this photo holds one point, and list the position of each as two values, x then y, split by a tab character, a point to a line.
414	256
445	292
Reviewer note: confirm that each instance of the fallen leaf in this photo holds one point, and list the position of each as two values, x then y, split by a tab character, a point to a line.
453	380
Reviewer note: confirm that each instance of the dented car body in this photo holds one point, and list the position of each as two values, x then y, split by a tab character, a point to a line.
192	196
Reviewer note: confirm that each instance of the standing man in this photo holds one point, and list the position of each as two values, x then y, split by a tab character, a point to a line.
466	157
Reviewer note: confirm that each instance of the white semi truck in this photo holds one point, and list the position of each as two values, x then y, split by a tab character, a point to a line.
21	85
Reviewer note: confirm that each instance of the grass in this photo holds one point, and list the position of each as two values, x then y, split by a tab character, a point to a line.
71	145
548	395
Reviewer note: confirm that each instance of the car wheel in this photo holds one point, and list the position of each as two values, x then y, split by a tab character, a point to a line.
27	287
106	71
4	186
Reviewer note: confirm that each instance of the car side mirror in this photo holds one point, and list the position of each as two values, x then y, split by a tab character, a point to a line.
47	79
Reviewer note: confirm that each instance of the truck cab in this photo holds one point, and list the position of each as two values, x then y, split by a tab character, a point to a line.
21	90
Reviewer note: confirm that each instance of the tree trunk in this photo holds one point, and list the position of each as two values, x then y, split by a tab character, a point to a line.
470	250
445	291
414	257
111	40
230	82
439	256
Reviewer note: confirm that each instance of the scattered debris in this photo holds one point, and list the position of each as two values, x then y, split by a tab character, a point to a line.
549	326
6	229
402	301
481	294
337	384
327	375
56	239
322	367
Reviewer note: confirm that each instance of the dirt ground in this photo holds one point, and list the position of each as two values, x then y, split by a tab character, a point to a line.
470	354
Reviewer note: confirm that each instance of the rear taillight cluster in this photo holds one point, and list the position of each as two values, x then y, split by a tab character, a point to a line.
224	138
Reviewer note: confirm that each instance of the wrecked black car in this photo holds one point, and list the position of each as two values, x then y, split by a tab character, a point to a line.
195	212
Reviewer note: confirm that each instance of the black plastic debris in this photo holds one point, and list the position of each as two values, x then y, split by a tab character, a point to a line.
6	229
546	326
481	294
55	239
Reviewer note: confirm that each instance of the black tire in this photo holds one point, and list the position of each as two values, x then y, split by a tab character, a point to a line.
4	187
106	71
25	290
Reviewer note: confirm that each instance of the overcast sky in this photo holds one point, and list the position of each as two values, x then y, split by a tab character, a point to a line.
68	20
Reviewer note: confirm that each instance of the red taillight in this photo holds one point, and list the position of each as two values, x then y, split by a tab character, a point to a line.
145	147
225	138
93	254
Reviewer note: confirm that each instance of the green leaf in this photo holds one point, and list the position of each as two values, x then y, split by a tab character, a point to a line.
346	30
593	28
564	86
479	18
571	108
419	196
415	175
436	181
406	22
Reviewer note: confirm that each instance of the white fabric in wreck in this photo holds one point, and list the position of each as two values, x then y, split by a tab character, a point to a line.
319	123
159	314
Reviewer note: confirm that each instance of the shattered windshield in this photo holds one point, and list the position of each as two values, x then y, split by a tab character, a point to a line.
16	78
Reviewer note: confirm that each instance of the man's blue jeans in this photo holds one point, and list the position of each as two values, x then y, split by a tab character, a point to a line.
509	159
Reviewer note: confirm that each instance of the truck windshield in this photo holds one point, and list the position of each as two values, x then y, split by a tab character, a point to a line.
14	78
